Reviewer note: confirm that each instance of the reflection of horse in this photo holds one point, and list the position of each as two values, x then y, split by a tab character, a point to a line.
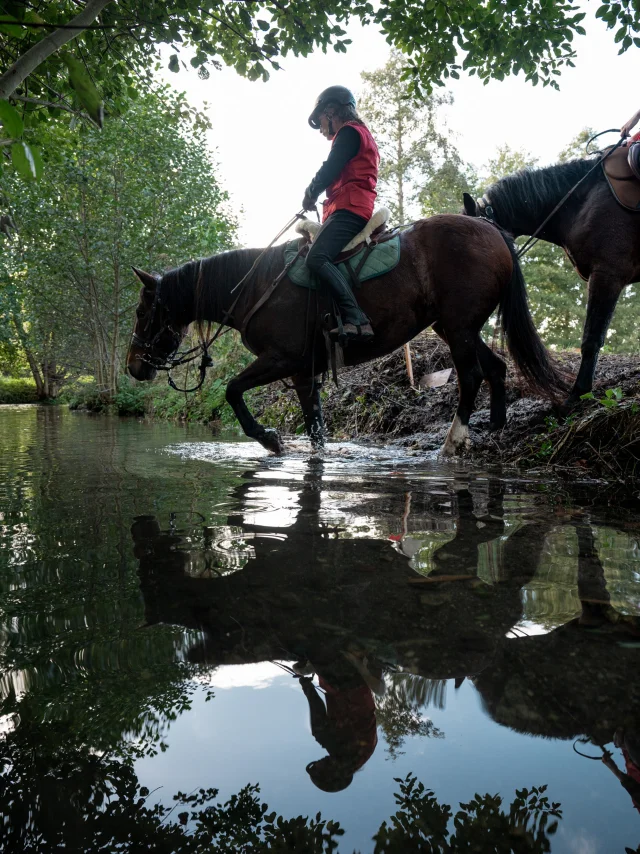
314	596
452	274
579	680
311	590
601	238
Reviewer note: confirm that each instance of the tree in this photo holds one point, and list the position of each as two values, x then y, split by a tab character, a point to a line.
412	149
577	147
443	193
144	191
59	59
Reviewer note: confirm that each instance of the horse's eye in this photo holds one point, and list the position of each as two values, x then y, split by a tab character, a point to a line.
140	312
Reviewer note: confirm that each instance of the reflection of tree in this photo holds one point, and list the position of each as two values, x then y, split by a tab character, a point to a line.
399	720
422	824
58	794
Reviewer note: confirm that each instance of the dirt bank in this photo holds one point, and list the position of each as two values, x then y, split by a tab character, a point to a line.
375	402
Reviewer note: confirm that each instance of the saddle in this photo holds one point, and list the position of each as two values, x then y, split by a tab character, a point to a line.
622	171
374	232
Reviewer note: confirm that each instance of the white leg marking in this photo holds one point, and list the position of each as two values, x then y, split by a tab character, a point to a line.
457	439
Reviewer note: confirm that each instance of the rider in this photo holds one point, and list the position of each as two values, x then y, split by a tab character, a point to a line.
628	126
349	175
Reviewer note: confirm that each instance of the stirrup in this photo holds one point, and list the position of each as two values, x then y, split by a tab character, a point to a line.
354	332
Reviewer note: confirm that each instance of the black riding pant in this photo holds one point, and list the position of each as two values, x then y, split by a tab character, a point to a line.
341	227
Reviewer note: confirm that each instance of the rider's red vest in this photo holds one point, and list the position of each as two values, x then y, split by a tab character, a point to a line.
355	187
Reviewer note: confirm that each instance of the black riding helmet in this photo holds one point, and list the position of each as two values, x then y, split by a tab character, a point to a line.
332	95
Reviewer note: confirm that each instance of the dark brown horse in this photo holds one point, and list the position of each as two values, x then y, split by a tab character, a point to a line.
601	238
453	272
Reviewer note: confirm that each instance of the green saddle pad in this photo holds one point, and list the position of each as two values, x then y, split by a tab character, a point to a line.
382	259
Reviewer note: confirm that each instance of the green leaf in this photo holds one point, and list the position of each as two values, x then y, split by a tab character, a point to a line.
10	119
23	160
174	65
264	26
87	93
7	27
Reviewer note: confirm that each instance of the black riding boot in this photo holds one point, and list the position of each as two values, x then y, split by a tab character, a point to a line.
356	324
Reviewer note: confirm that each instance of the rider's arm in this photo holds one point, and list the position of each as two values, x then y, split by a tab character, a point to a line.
346	145
626	128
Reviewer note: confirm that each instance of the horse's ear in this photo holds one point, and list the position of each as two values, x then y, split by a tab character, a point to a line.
469	205
148	279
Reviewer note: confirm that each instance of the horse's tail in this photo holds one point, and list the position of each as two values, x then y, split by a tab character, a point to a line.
529	353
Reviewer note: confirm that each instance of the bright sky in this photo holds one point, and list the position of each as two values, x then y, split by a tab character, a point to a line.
268	153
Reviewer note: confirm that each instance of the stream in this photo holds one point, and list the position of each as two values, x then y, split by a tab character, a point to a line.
181	612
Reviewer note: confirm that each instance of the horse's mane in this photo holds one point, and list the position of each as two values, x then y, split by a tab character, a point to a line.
205	285
537	190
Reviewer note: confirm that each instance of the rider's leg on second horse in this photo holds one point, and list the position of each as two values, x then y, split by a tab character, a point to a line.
329	242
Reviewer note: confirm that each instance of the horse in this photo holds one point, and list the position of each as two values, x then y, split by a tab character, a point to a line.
452	274
599	236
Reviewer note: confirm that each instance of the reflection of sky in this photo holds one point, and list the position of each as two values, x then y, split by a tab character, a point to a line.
258	675
243	735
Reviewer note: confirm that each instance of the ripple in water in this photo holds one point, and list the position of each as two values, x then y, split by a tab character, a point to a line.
347	456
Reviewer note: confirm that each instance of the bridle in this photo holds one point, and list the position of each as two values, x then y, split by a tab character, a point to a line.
173	359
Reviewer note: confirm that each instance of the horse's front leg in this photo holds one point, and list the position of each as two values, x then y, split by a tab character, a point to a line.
604	290
267	368
308	391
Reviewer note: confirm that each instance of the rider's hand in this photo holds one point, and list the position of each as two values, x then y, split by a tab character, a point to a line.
308	203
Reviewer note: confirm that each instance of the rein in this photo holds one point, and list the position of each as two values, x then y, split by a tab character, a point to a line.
533	239
175	359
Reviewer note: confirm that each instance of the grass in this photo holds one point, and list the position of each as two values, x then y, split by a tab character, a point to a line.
17	390
603	436
156	400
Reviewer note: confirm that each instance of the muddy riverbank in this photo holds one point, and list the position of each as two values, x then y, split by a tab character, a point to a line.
375	402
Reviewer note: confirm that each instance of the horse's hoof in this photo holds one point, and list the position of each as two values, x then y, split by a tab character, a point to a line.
317	439
270	439
457	440
494	426
564	409
455	449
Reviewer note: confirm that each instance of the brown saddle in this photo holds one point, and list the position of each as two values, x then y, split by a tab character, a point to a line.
622	171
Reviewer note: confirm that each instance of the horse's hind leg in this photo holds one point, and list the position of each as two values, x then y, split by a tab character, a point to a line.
495	371
470	376
267	368
308	391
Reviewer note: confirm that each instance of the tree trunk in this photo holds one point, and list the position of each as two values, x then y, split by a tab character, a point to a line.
33	364
400	170
42	50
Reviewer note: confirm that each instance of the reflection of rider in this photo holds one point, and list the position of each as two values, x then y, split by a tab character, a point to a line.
349	175
630	745
346	726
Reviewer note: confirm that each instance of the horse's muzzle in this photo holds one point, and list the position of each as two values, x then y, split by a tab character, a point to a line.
141	370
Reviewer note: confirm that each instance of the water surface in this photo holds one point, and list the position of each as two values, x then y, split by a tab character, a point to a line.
178	614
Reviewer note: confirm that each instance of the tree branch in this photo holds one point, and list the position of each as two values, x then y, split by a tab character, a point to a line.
38	102
42	50
82	27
